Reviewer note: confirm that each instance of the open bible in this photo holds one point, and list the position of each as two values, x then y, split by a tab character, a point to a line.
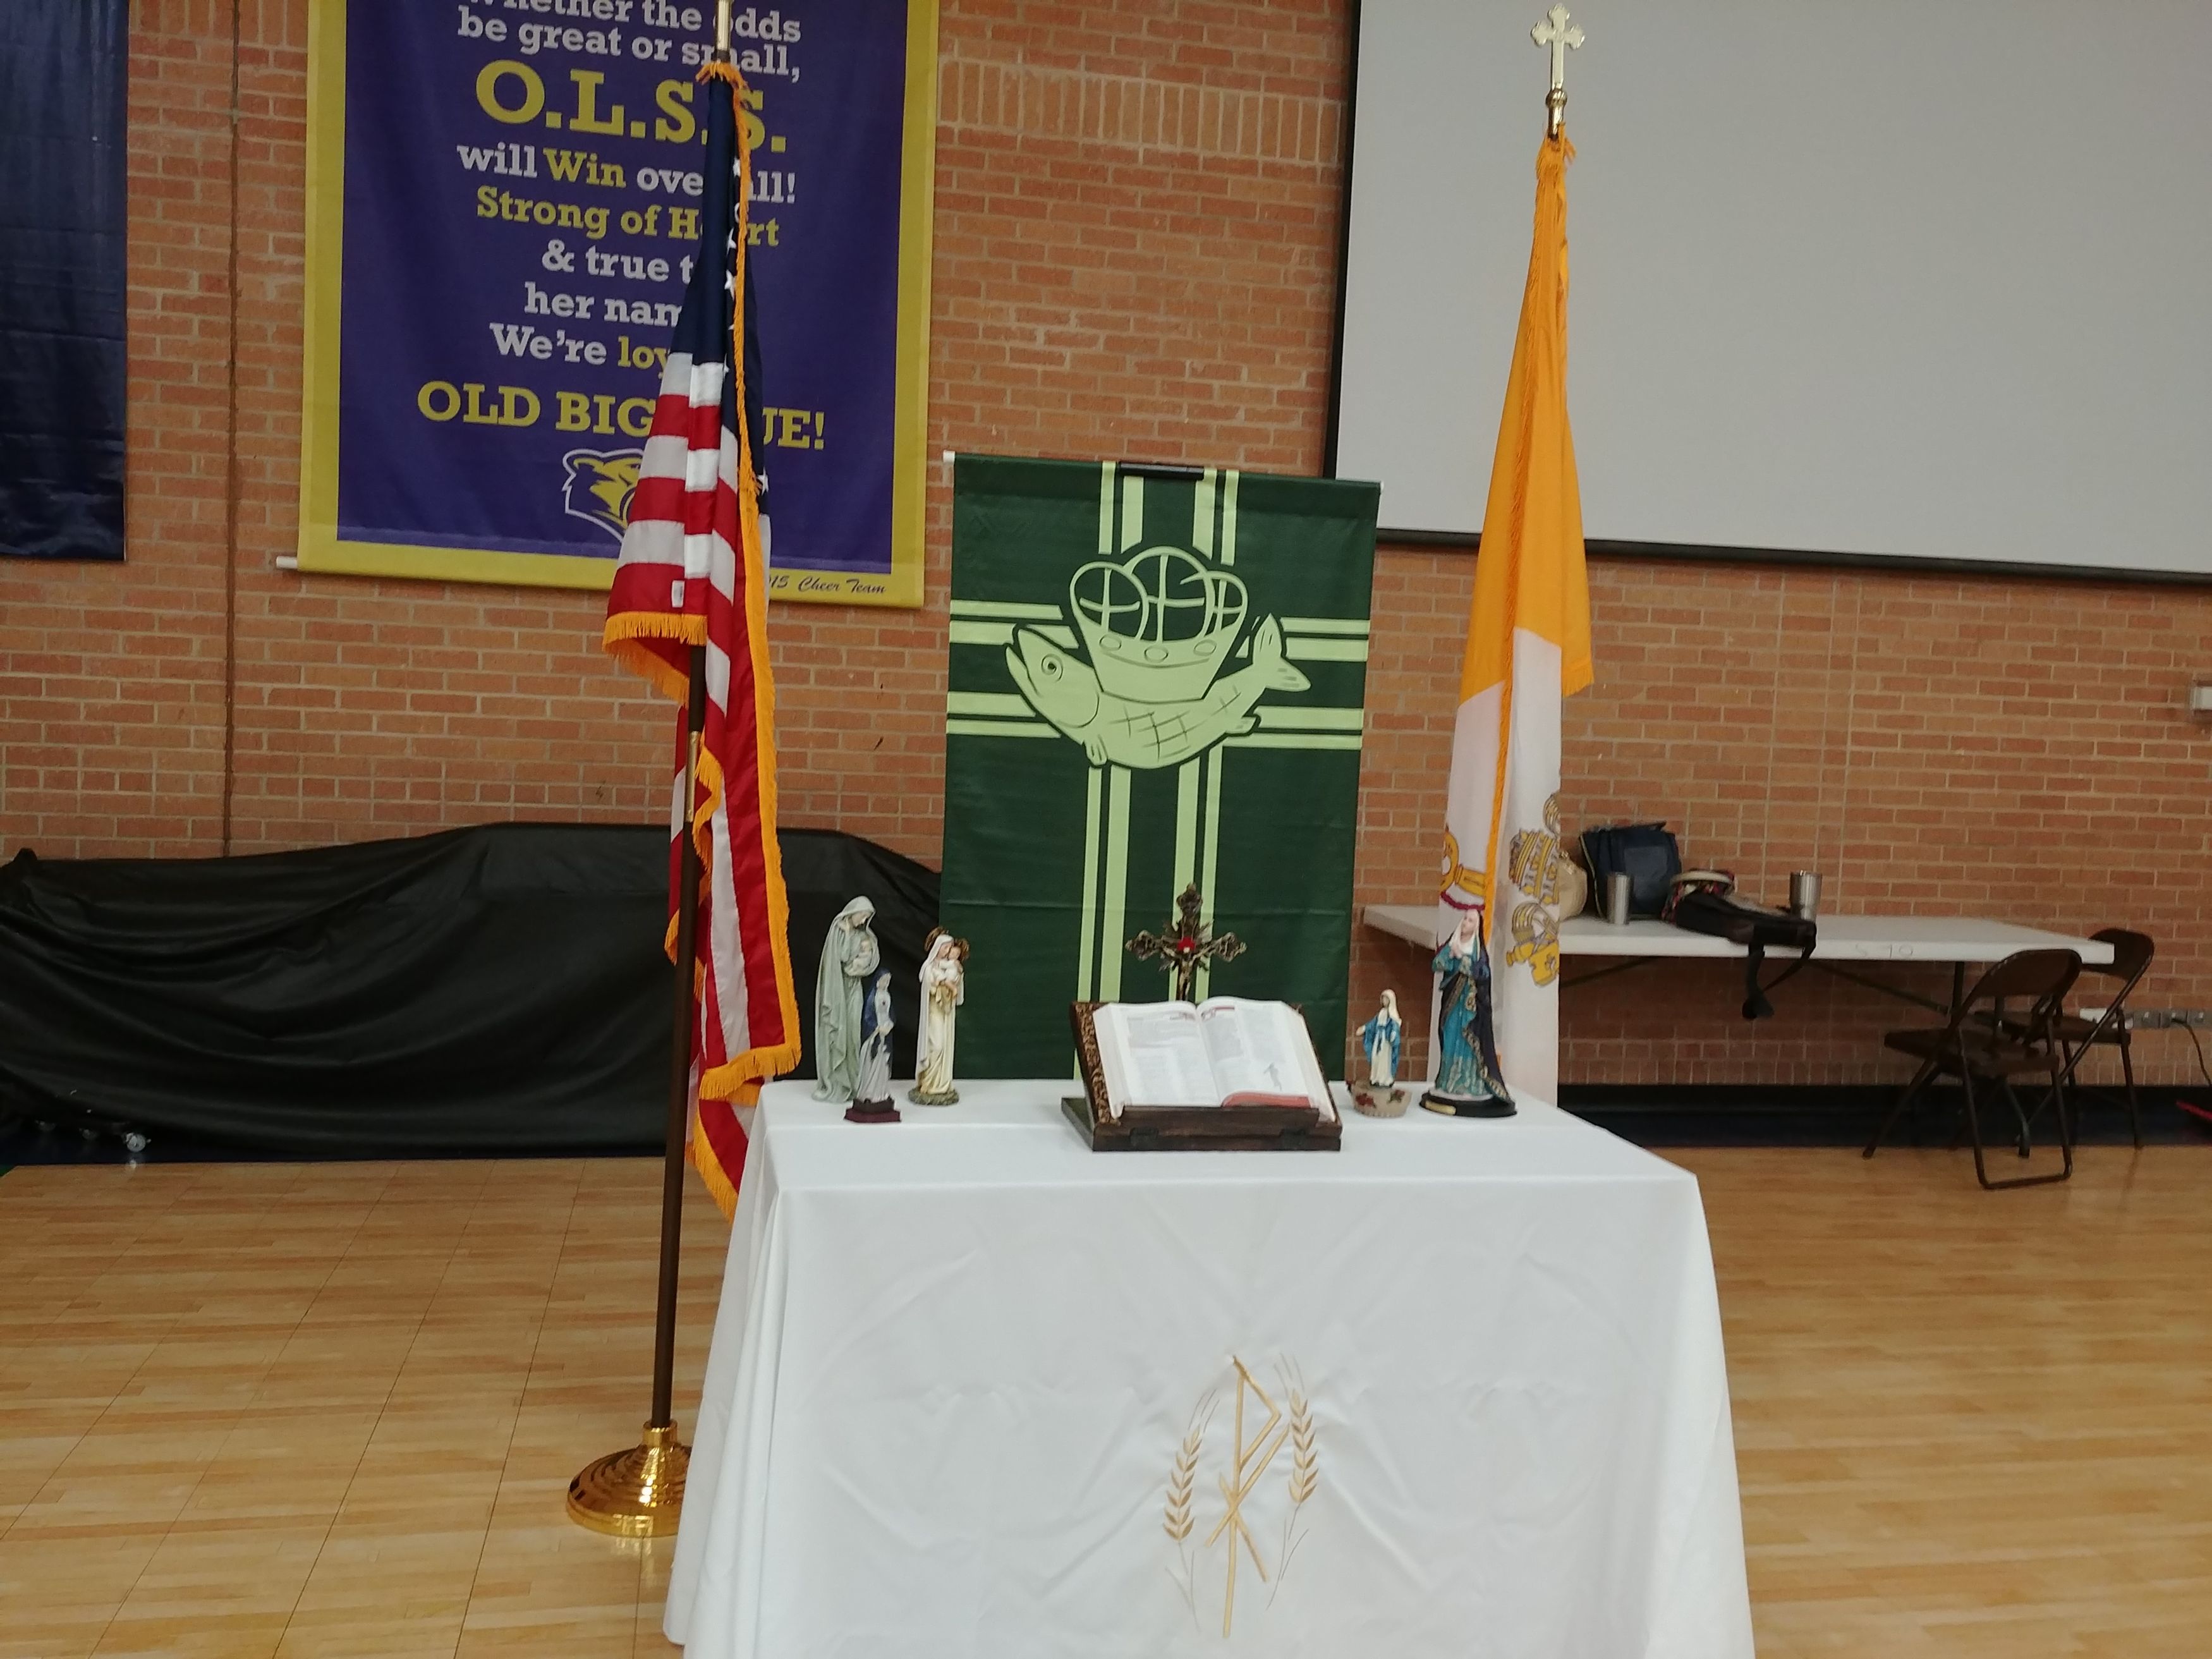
1223	1072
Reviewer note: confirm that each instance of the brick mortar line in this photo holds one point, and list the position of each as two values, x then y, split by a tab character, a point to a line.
1137	112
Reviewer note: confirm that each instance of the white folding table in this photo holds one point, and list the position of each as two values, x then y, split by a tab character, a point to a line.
1845	941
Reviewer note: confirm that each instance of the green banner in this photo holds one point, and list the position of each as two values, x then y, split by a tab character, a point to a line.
1158	677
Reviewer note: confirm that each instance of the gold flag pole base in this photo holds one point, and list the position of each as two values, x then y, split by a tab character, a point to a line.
637	1494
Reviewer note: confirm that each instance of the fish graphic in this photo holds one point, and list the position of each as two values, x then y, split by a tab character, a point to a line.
1064	689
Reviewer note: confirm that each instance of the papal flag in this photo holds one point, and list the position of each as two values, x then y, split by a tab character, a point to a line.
694	572
1528	646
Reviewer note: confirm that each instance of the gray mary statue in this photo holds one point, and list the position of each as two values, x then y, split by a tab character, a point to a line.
849	960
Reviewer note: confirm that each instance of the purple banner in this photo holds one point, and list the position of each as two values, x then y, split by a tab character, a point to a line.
520	189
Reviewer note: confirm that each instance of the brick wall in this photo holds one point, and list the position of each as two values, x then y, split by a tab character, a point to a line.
1135	251
1929	744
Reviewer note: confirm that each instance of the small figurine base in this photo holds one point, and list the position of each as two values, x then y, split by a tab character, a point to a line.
1371	1100
872	1111
949	1098
1468	1105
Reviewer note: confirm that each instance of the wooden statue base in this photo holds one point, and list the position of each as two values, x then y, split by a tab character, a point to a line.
873	1111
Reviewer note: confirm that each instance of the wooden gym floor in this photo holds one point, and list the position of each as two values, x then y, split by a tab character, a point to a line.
331	1410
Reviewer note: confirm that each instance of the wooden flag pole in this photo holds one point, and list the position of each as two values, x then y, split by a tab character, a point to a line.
638	1493
679	1064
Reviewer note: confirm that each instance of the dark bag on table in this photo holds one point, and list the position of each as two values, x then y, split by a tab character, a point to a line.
1702	903
1646	852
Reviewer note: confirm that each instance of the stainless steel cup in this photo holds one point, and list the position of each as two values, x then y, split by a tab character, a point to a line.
1618	887
1805	893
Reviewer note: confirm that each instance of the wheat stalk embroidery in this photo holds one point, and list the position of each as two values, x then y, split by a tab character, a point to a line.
1305	1463
1305	1469
1178	1522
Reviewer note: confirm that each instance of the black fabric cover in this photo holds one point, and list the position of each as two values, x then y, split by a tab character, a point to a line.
63	65
499	989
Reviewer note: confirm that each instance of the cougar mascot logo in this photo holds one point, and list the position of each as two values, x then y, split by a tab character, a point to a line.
599	485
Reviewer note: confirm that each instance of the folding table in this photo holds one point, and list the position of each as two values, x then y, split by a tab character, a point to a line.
1846	945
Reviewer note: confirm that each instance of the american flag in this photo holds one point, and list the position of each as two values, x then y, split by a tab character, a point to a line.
694	571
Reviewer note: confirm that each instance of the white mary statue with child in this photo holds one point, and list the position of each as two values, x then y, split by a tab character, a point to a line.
944	988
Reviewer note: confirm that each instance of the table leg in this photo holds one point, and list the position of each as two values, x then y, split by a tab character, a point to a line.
1957	986
1630	965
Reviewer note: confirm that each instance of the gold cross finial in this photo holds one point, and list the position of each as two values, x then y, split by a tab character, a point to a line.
1562	37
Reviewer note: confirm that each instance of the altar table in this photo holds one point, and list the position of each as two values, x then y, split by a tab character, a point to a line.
1453	1391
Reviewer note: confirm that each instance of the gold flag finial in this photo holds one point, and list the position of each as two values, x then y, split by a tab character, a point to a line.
1554	31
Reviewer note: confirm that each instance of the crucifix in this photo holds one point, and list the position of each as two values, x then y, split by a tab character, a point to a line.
1562	37
1188	943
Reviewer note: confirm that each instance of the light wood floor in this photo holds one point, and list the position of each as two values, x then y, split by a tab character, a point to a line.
255	1410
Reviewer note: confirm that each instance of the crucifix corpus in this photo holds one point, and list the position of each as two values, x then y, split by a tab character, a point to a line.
1562	37
1186	943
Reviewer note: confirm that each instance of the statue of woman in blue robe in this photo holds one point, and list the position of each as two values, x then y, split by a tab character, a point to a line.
1468	1082
1382	1040
871	1083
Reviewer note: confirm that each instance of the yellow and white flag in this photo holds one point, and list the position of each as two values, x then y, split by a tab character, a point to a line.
1528	646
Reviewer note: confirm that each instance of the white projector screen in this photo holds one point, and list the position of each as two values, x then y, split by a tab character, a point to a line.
1879	278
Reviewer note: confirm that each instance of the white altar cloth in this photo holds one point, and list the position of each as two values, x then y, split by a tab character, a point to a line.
960	1372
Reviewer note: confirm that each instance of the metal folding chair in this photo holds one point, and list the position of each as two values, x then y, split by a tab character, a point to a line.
1981	1042
2132	956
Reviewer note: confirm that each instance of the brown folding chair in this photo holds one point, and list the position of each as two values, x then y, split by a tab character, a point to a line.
2077	1035
1978	1044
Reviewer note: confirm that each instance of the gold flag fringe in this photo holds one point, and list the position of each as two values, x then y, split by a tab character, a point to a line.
738	1080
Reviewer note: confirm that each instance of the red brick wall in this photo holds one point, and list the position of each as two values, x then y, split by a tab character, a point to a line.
2009	749
1135	251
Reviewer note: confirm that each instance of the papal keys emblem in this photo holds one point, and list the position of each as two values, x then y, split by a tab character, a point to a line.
1538	862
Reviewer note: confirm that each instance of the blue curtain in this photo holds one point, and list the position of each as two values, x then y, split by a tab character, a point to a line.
63	67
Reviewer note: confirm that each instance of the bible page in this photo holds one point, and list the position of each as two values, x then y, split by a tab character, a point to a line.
1255	1054
1300	1042
1160	1053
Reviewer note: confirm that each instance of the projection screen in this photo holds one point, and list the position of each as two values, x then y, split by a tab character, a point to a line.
1871	279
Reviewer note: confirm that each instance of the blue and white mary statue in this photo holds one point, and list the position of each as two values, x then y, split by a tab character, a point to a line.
1469	1083
1383	1039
